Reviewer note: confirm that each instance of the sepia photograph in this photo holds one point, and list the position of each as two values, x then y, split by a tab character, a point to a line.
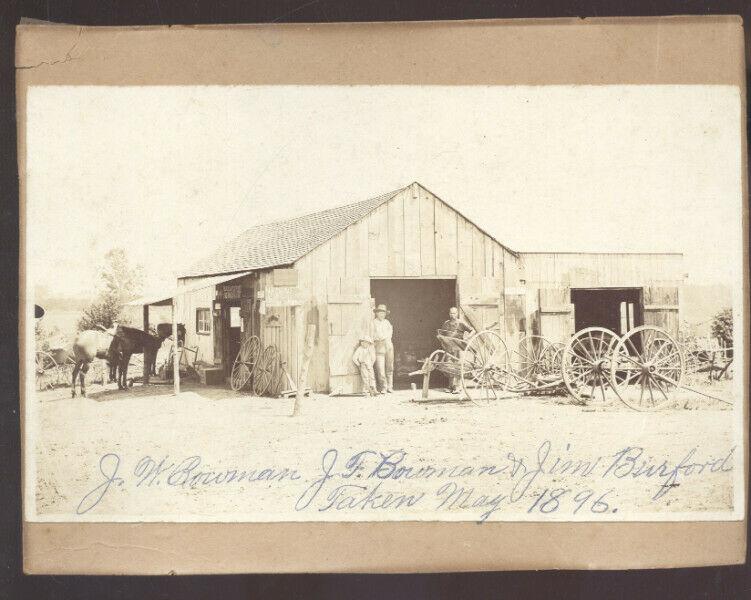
301	303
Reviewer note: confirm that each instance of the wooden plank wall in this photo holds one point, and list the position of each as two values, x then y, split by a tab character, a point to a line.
313	276
414	234
661	308
587	270
546	272
188	303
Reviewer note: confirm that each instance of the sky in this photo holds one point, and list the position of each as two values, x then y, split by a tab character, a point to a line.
170	173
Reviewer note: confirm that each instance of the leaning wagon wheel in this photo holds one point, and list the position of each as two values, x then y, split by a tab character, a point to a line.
586	363
266	371
45	364
648	366
245	362
556	349
538	359
485	364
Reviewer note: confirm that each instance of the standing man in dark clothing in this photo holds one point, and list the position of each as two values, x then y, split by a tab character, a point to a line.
456	328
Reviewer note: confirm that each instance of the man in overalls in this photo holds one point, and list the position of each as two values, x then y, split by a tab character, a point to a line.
456	328
384	349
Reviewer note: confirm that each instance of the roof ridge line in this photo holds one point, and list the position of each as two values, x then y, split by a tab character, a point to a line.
333	208
329	229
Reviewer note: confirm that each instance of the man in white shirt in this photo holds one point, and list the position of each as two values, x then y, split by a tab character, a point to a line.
384	349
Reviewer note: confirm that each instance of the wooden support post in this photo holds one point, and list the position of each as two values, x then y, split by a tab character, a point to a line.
146	356
175	348
302	383
426	379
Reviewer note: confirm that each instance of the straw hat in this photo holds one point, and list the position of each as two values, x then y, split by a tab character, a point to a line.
381	308
366	338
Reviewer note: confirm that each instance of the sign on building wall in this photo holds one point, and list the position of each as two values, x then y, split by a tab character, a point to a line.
283	296
230	292
284	277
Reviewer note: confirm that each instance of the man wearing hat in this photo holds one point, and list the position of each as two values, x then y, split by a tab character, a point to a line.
364	359
384	349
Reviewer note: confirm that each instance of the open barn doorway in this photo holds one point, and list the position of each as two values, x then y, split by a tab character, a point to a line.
232	334
617	309
418	307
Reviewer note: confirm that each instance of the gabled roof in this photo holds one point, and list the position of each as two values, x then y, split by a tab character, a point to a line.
284	242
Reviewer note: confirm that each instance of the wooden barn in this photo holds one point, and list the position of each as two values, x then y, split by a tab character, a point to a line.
411	250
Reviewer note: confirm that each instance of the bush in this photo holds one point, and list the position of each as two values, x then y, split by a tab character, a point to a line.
722	326
103	312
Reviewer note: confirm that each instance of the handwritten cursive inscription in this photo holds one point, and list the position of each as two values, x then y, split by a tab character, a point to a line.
550	480
108	466
186	473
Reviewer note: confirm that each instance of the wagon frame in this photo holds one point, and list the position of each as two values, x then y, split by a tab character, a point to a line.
641	369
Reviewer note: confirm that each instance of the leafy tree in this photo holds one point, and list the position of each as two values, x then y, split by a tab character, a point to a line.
722	326
121	280
121	283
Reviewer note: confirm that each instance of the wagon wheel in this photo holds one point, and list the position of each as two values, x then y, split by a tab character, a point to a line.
585	364
557	350
648	366
485	364
266	370
45	364
538	358
65	370
245	362
277	377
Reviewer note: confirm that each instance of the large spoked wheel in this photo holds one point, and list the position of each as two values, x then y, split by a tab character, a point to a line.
46	371
647	367
485	366
245	363
266	371
586	365
539	360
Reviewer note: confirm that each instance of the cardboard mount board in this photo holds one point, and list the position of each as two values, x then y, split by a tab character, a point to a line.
674	50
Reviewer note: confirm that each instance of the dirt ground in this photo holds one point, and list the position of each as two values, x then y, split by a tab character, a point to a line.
232	433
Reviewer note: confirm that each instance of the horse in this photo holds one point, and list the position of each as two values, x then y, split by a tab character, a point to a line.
87	346
128	341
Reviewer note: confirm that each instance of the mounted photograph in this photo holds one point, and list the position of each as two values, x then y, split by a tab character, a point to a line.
273	303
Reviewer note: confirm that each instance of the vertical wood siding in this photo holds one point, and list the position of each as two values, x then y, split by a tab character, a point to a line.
547	273
187	305
414	234
587	270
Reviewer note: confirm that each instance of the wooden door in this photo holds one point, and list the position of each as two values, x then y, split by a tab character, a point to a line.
556	314
279	330
661	308
480	301
514	317
349	315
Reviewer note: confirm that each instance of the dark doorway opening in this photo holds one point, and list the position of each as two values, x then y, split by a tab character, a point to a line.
418	308
617	309
232	334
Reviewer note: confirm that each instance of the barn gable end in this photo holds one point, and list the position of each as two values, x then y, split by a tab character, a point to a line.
413	235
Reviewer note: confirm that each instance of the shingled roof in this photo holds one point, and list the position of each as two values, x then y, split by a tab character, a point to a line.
284	242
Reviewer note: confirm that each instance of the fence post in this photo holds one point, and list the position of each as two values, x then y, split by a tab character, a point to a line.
175	348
